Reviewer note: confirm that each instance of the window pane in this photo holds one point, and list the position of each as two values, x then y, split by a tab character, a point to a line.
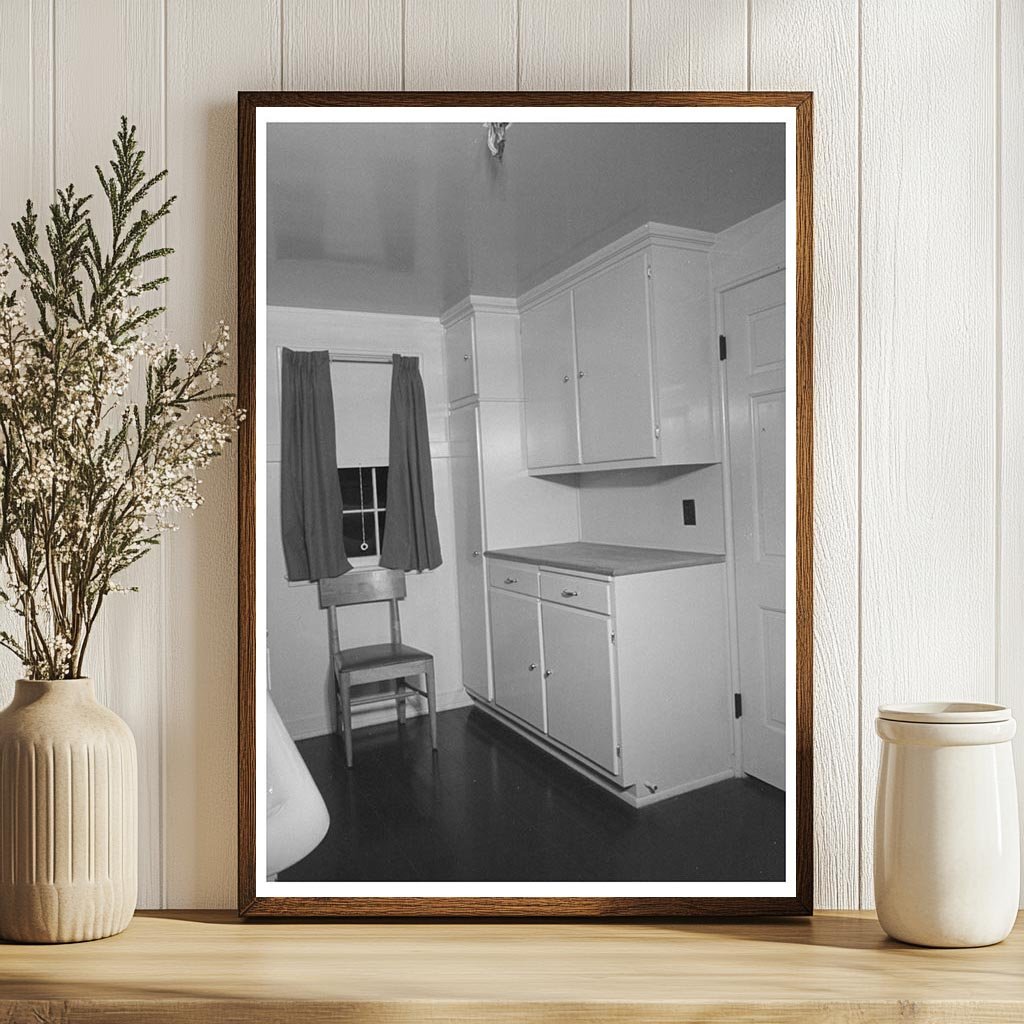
349	480
357	527
382	489
356	487
380	525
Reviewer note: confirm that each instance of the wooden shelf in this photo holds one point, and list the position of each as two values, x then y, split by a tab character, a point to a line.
199	967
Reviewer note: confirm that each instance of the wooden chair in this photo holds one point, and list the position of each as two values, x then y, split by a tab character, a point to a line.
357	666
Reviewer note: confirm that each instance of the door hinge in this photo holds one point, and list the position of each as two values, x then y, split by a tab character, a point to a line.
657	431
722	347
650	270
737	699
613	638
618	751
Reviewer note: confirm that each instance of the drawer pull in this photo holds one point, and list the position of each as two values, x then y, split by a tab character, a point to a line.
547	672
565	379
533	666
465	358
511	579
570	593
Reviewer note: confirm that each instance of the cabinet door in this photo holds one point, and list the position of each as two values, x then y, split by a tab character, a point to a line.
460	358
549	383
469	560
579	663
515	649
613	350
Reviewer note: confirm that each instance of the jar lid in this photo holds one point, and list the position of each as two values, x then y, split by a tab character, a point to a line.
945	713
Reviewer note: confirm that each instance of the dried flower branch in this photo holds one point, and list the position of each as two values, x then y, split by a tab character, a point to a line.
88	477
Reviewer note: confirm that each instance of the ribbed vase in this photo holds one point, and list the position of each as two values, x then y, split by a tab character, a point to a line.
68	815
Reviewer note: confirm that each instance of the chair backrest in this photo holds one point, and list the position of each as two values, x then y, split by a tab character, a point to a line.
361	587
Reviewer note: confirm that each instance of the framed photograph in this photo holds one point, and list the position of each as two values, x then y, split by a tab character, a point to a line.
525	492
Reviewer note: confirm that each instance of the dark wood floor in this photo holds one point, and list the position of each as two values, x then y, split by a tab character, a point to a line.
489	806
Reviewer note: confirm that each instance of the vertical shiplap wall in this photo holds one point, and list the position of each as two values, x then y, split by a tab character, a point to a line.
919	294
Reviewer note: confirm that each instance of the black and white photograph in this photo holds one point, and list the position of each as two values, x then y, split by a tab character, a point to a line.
525	502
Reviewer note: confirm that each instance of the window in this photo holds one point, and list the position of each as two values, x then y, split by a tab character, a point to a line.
364	498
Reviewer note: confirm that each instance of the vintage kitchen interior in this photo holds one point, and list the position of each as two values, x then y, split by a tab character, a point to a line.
526	502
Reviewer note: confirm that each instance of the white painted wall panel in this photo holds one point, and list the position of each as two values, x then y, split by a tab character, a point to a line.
1010	342
127	666
574	44
919	360
689	44
826	62
342	44
213	50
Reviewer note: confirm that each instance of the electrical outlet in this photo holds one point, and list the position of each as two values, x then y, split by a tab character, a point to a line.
689	512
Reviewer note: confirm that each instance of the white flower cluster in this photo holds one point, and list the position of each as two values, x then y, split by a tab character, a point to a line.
103	433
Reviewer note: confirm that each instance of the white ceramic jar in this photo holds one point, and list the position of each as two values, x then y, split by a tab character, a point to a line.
947	847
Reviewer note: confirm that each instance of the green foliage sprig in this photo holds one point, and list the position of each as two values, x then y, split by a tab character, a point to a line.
89	476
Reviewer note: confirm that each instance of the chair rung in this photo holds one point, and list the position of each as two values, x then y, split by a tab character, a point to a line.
380	698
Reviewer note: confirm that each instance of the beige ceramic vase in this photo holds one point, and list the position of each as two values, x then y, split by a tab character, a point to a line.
68	811
947	848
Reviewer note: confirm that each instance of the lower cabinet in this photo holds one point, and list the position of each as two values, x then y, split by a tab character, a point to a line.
579	669
624	678
515	653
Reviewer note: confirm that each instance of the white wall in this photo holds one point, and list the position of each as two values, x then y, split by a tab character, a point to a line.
297	628
919	321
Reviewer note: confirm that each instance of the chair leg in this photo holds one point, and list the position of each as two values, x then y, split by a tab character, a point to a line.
345	711
431	704
402	696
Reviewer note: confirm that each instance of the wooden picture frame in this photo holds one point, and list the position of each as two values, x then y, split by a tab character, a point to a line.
249	902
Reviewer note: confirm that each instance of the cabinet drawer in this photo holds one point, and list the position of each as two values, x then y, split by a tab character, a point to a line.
594	595
514	576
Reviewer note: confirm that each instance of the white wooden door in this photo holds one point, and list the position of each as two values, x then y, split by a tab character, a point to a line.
515	648
460	359
469	560
755	328
613	352
579	669
549	384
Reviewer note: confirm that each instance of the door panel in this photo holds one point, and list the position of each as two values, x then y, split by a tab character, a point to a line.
459	357
613	350
580	683
469	560
515	649
754	321
549	382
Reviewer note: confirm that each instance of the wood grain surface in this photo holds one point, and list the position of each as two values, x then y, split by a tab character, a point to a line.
210	967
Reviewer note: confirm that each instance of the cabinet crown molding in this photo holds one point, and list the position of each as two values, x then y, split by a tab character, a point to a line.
478	304
651	233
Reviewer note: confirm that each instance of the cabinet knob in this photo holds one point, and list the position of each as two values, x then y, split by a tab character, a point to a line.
565	379
533	665
465	358
547	672
581	373
511	579
476	554
570	593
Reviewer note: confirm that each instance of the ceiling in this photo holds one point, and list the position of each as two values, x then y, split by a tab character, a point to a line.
410	218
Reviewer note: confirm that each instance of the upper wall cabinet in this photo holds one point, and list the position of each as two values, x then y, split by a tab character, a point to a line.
620	361
460	357
549	381
613	348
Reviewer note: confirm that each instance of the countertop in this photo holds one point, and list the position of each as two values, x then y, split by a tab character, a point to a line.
207	966
605	559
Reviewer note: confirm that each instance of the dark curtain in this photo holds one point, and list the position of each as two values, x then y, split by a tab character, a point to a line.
410	536
314	547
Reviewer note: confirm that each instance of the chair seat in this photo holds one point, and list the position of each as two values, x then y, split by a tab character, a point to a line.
380	656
